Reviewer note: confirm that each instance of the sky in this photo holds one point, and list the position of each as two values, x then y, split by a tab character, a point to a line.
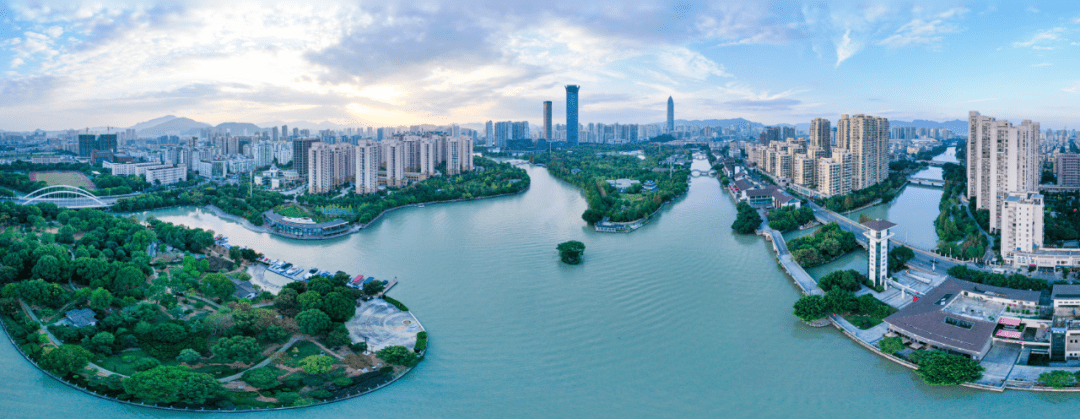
388	62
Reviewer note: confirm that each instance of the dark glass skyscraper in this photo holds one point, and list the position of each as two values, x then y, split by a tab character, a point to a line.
670	115
571	114
547	120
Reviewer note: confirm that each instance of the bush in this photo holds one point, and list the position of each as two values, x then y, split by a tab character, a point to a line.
1057	379
395	303
747	221
941	369
849	280
263	378
146	364
343	381
891	345
421	342
320	394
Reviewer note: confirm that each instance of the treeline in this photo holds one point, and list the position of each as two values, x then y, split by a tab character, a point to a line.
1014	281
839	301
788	218
589	168
885	191
494	179
953	224
1062	218
181	237
236	200
108	185
827	243
747	221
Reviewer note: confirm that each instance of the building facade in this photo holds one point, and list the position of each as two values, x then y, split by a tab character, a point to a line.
300	154
1067	166
1001	159
572	115
867	139
1022	224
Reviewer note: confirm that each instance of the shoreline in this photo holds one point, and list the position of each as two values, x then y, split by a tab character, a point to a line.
832	318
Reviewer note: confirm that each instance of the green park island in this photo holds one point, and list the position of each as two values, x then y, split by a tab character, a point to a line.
156	314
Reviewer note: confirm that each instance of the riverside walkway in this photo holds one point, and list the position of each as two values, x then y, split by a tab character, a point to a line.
802	279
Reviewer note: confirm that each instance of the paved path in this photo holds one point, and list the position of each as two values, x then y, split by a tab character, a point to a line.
802	279
264	362
58	342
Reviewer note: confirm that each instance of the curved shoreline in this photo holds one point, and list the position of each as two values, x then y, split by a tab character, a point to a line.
90	392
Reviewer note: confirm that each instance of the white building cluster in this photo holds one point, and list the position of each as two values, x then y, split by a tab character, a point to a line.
393	162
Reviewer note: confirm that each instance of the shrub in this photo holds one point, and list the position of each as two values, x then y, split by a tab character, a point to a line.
395	303
342	382
263	378
320	394
146	364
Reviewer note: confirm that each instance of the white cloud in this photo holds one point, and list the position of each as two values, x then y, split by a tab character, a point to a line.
1037	41
1075	88
927	32
845	48
1032	9
690	64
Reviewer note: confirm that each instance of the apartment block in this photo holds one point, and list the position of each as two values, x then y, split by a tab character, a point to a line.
1002	158
1022	223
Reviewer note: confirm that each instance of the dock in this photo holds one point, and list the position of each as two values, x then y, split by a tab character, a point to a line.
387	289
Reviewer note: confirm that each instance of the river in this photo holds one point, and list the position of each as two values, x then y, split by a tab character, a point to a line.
681	318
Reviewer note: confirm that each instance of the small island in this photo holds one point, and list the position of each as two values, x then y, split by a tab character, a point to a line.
623	185
570	252
156	314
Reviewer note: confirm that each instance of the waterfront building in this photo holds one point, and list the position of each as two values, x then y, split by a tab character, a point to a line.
1067	166
572	115
877	237
867	139
1002	158
960	317
166	175
304	228
458	155
367	167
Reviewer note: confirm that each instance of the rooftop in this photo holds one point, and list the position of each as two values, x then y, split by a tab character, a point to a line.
1065	291
878	225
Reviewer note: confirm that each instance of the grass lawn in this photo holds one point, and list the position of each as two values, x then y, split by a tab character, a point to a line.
63	178
865	322
301	350
124	362
292	210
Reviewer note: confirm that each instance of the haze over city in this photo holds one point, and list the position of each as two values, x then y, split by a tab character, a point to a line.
392	63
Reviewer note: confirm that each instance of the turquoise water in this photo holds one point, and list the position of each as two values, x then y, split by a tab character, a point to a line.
681	318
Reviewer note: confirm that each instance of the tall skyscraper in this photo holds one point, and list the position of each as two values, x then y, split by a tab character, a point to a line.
367	167
300	155
1068	169
572	114
670	114
1001	159
284	131
867	138
489	134
547	120
819	135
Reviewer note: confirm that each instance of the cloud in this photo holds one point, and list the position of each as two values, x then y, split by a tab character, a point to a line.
686	63
1075	88
1040	39
26	91
845	48
927	32
763	105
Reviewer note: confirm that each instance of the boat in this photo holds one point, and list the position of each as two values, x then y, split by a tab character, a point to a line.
420	206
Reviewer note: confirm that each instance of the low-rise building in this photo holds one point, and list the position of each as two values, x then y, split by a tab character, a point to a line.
167	175
304	228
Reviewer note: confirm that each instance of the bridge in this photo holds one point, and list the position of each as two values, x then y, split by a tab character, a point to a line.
68	197
927	182
697	173
933	163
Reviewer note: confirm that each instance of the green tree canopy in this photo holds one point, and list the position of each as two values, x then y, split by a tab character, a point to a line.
811	307
313	322
1057	378
570	251
189	356
237	349
265	377
173	385
66	359
101	299
217	285
317	364
891	345
941	369
398	355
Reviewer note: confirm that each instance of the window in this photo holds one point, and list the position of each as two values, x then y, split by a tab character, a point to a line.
959	323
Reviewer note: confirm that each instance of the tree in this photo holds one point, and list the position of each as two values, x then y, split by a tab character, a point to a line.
286	303
101	299
747	220
592	216
398	355
373	287
243	349
841	301
811	307
66	235
66	359
189	356
317	364
48	268
339	307
310	300
941	369
320	285
338	336
1057	379
313	322
129	281
891	345
570	251
217	285
102	343
263	378
173	385
899	257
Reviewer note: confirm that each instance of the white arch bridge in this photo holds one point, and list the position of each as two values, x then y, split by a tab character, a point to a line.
68	197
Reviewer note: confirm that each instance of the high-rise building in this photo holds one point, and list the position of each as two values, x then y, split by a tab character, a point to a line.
1067	167
1023	214
330	166
786	133
867	139
1001	159
300	155
670	114
458	155
393	155
547	120
877	236
274	134
572	115
284	131
819	135
89	143
367	167
489	134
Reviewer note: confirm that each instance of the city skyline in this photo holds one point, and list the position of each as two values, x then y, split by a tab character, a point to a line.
72	66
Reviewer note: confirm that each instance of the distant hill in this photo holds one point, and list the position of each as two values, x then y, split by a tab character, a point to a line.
152	123
237	128
178	126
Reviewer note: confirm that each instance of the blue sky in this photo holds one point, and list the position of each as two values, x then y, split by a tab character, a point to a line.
69	65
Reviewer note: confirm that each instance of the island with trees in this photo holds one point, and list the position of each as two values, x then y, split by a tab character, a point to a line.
622	184
570	252
152	313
